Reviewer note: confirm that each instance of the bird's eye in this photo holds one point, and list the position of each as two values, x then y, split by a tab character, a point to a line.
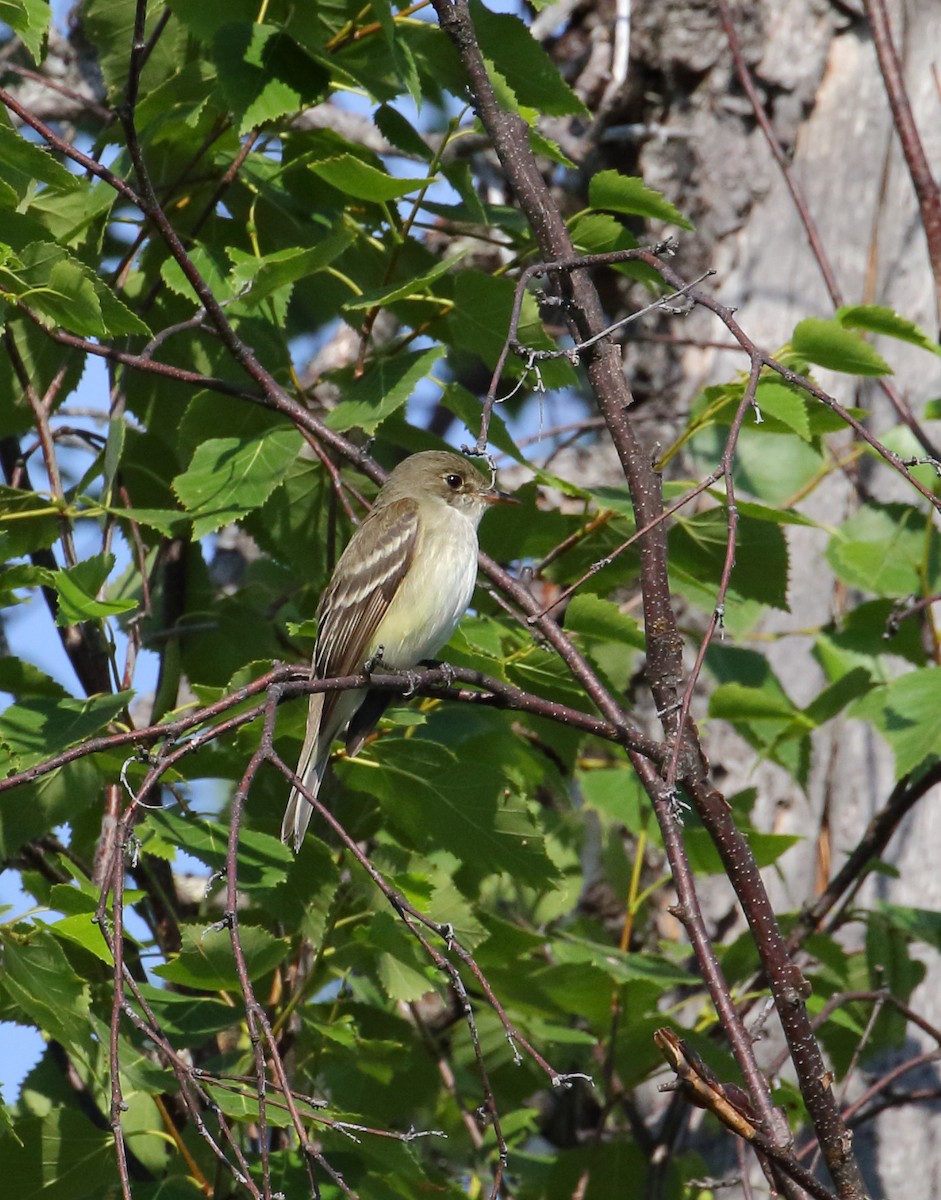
453	482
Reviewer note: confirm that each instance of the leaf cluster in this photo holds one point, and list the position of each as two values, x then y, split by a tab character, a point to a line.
524	842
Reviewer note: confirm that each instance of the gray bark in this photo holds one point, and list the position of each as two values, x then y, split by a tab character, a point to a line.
681	120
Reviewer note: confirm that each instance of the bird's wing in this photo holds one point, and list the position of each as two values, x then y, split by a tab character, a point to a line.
358	596
363	586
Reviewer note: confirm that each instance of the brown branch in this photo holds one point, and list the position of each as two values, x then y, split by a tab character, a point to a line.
689	913
698	1085
717	619
923	181
192	1093
118	1105
434	682
777	152
577	263
258	1024
509	136
898	402
879	832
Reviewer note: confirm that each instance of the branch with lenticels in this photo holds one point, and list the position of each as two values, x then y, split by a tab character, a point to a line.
509	136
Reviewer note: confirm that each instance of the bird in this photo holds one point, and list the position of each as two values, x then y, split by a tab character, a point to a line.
395	598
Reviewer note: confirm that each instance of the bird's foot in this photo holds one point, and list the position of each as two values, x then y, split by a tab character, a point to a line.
444	667
374	662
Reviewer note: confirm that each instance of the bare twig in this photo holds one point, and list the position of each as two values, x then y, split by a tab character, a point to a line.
923	180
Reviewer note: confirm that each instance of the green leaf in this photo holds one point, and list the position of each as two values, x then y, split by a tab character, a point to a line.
522	63
762	512
75	216
35	809
38	728
698	550
834	699
411	289
785	404
395	128
774	471
59	1156
265	74
229	477
907	712
603	621
114	449
830	344
480	317
43	362
611	638
167	521
39	980
77	588
399	50
210	266
15	579
737	703
25	164
471	208
876	319
59	287
548	149
601	233
28	522
767	848
6	1122
920	924
206	960
882	549
20	678
750	696
188	1024
356	178
622	966
385	387
629	194
401	970
304	901
615	793
204	21
860	641
29	19
109	26
256	278
263	860
436	804
891	965
457	399
82	929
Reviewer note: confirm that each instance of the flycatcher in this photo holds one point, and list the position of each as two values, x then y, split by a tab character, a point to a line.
396	596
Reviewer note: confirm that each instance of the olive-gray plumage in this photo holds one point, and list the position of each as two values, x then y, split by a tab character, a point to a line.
397	594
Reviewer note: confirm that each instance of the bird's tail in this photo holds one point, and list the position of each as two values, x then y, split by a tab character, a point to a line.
327	714
299	810
310	769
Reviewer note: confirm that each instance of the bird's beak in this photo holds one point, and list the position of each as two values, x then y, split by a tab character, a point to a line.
493	496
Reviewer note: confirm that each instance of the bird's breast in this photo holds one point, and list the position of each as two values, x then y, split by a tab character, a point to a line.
434	594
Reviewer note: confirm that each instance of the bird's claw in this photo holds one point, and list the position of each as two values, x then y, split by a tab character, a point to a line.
374	662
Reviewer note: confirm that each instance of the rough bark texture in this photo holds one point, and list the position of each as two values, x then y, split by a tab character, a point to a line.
682	120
